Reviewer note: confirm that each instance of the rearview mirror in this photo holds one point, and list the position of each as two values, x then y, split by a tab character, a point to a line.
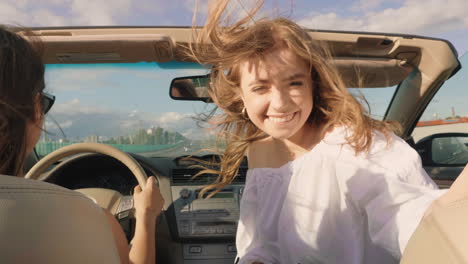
444	150
192	88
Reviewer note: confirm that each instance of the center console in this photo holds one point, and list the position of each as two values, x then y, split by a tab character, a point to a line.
206	227
215	217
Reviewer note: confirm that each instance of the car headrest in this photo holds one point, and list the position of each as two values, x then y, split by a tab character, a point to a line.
441	237
45	223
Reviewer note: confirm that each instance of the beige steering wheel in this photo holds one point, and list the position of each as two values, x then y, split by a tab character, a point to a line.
111	200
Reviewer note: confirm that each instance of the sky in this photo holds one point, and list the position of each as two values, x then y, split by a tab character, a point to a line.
83	93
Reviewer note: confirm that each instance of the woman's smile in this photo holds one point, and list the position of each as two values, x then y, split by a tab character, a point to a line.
280	119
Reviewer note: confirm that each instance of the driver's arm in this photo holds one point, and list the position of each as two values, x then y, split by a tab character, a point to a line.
148	206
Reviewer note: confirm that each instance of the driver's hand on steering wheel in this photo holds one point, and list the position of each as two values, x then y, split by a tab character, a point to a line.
149	201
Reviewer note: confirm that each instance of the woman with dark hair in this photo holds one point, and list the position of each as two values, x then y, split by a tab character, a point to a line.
22	101
23	105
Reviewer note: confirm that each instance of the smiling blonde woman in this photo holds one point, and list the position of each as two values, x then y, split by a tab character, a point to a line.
326	182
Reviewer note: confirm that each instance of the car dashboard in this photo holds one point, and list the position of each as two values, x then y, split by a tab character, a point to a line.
192	230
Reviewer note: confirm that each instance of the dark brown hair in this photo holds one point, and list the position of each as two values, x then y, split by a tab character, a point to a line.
21	81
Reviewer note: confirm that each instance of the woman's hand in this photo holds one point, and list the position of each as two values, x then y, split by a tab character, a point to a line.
148	205
149	201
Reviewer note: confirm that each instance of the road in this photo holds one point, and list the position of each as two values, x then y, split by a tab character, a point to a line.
177	151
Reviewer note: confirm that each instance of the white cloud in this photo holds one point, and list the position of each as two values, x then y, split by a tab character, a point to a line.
75	106
36	3
70	79
366	5
235	10
33	13
76	12
171	121
131	124
52	19
434	16
136	119
78	79
200	5
79	120
66	124
63	125
89	12
331	21
10	14
414	16
172	117
183	123
73	74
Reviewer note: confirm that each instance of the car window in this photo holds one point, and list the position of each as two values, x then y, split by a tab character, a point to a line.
449	150
375	100
128	106
448	110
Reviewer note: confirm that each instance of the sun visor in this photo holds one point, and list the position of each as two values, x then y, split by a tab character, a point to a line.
126	48
372	72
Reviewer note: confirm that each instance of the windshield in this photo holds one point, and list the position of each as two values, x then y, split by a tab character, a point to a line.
128	106
125	105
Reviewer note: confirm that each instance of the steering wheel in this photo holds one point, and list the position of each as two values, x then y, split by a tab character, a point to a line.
119	205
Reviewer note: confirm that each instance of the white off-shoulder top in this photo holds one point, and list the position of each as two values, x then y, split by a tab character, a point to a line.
333	206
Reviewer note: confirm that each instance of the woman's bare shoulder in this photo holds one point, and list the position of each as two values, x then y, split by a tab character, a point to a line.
263	154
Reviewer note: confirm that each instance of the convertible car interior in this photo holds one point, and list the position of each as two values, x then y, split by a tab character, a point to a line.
193	230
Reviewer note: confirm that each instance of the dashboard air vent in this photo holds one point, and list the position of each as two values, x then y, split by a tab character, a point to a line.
184	176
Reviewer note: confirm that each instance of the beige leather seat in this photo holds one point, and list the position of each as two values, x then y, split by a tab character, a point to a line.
45	223
442	237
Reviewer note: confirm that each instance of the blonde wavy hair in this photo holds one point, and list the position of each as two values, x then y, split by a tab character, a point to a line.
225	47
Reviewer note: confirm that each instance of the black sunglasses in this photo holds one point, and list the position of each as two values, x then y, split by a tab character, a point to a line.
47	102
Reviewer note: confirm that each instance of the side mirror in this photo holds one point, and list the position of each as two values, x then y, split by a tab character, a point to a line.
444	150
191	88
